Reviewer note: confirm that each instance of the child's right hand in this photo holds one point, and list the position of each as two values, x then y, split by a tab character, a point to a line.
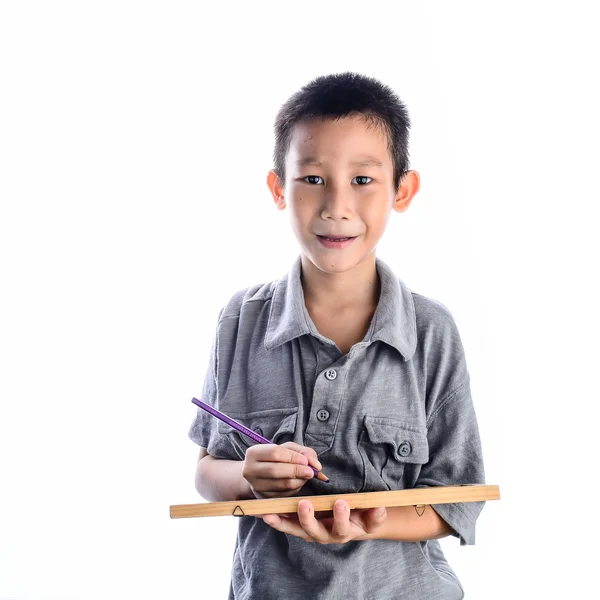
275	471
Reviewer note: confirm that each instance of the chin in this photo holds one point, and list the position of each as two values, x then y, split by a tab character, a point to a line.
334	264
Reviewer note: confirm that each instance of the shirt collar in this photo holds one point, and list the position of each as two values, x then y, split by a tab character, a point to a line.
394	321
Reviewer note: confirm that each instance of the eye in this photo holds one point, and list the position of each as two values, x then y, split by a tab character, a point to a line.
362	179
311	177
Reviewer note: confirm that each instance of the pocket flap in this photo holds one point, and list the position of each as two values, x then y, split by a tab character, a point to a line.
271	424
408	442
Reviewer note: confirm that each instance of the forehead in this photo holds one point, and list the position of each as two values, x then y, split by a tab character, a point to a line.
328	140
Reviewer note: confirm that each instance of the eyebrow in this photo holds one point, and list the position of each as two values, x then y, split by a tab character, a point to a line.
365	162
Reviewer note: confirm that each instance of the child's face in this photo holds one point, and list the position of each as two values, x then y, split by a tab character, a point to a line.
349	194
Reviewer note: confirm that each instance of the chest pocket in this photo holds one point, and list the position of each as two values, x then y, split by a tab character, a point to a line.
277	425
392	453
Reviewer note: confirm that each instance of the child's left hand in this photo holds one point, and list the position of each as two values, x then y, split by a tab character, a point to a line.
345	525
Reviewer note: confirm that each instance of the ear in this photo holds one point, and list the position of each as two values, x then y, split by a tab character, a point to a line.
407	189
276	189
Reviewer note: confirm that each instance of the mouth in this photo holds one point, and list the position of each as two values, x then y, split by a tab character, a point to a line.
335	242
330	238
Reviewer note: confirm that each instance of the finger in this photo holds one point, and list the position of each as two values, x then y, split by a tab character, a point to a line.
313	528
279	486
274	470
340	529
287	526
285	516
374	519
309	453
275	453
281	516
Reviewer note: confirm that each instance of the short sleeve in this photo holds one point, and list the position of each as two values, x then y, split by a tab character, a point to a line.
455	458
203	430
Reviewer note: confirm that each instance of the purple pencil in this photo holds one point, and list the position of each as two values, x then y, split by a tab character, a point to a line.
246	431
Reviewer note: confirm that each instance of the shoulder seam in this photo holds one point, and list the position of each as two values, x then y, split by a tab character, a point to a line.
237	314
445	399
244	301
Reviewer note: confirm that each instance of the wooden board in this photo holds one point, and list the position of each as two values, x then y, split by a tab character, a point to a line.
410	497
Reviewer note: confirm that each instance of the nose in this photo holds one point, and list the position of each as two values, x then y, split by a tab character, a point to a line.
337	204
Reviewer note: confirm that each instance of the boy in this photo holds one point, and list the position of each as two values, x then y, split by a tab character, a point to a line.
344	369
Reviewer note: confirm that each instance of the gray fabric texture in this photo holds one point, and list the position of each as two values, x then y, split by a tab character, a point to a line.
394	413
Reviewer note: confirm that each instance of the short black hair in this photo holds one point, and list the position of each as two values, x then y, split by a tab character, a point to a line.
341	95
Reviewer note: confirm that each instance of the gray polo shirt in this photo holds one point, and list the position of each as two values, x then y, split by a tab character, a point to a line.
395	412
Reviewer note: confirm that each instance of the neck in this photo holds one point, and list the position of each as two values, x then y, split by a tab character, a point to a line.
357	288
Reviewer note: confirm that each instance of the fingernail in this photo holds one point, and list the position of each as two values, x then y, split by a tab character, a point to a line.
340	507
304	508
308	472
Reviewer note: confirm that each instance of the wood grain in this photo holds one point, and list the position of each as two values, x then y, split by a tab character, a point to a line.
410	497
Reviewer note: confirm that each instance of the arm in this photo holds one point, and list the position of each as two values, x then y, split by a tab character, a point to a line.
268	470
401	523
455	457
405	525
262	471
220	479
218	475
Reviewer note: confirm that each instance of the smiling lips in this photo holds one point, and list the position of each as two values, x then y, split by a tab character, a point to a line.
335	242
335	238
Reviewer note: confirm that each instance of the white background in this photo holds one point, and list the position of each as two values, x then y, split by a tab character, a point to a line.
135	139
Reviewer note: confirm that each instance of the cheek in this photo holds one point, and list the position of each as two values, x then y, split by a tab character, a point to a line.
298	215
300	209
376	216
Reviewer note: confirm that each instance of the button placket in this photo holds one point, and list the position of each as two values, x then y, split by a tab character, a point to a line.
326	398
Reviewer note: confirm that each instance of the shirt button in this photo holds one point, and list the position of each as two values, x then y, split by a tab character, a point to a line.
331	374
404	449
323	415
